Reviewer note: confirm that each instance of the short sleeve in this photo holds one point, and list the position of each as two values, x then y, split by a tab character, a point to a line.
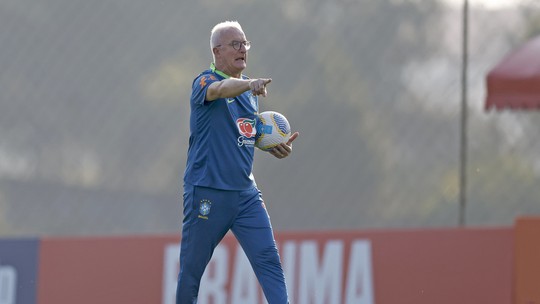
200	85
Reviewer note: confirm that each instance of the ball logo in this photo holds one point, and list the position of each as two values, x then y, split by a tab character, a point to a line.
246	127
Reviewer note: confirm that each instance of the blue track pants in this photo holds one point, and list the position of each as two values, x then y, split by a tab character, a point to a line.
208	215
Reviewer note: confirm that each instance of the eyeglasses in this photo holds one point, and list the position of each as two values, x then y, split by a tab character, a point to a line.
238	44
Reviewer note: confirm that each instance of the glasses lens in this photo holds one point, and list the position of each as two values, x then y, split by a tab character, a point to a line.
238	44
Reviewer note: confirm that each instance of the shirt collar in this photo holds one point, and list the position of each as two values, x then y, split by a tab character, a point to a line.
220	73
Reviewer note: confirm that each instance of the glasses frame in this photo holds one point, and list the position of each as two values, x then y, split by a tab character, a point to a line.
237	45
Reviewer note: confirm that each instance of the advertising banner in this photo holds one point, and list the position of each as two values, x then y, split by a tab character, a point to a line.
443	266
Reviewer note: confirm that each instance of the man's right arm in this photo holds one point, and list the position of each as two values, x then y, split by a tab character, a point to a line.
227	88
232	87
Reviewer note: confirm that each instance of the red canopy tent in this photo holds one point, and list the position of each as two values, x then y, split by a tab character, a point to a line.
514	83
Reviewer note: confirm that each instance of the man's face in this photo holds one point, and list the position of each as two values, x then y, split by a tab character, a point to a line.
228	59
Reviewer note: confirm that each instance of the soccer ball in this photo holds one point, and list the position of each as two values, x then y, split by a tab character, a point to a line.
272	129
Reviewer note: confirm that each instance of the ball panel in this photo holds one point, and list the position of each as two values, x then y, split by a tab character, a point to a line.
282	124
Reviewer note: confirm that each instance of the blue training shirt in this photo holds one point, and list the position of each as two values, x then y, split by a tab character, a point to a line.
222	137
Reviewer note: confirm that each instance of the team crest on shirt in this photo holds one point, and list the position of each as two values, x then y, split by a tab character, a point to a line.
204	208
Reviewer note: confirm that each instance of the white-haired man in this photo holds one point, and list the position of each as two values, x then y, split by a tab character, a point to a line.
220	193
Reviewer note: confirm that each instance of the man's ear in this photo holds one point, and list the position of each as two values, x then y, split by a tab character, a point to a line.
215	51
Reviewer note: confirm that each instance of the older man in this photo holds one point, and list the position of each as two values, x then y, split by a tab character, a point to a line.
220	193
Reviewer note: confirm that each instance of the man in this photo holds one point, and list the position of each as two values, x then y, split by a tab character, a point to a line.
220	193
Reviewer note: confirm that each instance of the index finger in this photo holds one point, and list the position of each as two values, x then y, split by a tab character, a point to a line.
266	80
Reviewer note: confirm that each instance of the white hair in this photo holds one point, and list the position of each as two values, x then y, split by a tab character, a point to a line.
218	30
